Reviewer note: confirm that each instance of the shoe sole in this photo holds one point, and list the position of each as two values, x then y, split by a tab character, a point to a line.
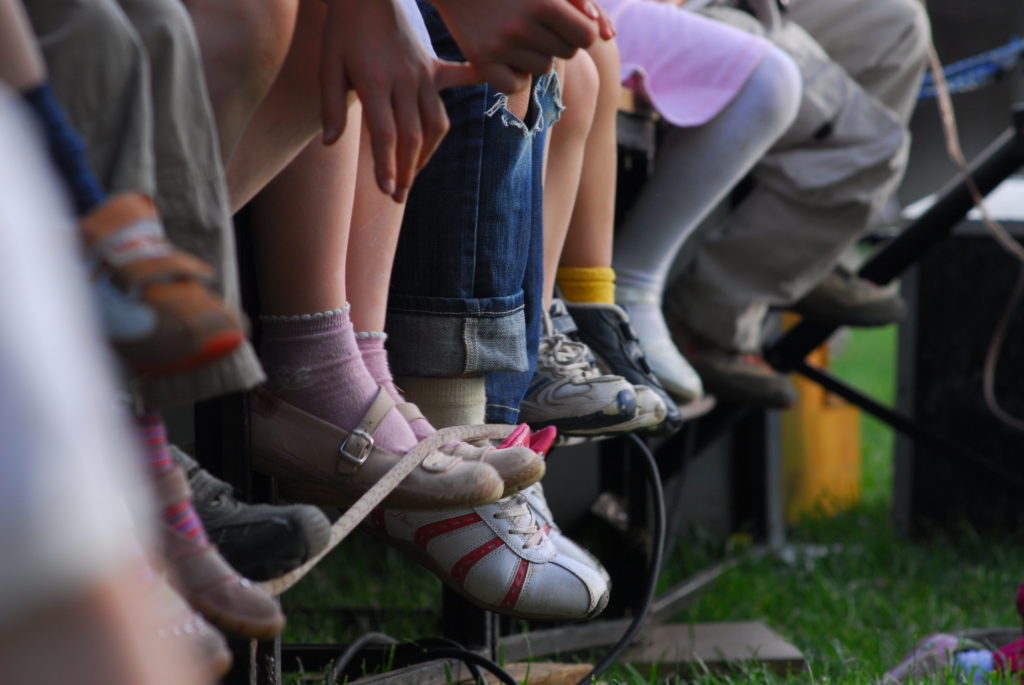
238	626
525	478
213	349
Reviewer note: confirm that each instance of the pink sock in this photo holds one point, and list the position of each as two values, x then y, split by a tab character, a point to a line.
314	363
180	515
375	357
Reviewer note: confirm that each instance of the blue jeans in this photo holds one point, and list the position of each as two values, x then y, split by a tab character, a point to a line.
466	289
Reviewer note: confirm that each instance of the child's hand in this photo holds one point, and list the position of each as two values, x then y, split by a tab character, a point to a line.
369	47
509	40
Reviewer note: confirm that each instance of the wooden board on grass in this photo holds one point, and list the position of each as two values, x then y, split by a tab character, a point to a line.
542	673
678	647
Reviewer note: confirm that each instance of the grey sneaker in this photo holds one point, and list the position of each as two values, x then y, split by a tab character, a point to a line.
569	392
845	299
261	541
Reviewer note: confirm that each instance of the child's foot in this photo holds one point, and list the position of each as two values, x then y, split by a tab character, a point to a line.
667	363
161	315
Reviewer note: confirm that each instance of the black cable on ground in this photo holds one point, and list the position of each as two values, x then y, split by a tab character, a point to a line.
651	586
471	658
474	660
353	649
428	643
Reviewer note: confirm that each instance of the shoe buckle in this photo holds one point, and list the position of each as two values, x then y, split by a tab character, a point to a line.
359	457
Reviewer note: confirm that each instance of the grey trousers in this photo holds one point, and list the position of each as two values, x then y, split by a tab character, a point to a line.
826	178
129	75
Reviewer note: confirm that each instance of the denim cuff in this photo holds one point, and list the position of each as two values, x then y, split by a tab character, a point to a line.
440	336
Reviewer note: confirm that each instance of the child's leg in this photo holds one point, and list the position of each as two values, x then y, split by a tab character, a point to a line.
589	242
302	236
564	160
696	168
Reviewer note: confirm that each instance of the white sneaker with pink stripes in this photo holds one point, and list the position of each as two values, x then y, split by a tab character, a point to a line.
498	557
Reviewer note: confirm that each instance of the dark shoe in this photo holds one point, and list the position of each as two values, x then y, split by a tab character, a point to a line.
845	299
742	378
261	541
605	329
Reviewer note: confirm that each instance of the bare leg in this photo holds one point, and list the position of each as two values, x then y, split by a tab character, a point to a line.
21	64
376	222
289	116
589	239
564	161
243	45
301	222
102	636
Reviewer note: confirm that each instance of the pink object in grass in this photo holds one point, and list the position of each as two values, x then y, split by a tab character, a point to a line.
930	655
689	66
1010	658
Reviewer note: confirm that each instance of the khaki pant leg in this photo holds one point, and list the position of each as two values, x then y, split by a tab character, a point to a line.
192	191
882	44
815	192
98	71
130	79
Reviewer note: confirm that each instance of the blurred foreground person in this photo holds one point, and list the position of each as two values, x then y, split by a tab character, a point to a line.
73	607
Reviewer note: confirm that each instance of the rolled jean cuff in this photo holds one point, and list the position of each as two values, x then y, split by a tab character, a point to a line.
440	336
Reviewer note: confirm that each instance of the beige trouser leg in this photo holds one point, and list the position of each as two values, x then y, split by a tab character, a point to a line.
889	66
130	77
815	192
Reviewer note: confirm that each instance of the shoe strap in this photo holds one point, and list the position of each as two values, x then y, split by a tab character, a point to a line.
409	411
358	445
382	488
125	235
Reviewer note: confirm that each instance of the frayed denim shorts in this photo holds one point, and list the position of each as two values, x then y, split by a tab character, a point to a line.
466	288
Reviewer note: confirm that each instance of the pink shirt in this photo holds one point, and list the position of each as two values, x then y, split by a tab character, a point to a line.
689	67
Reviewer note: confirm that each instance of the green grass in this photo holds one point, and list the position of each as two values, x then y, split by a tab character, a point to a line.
854	597
867	359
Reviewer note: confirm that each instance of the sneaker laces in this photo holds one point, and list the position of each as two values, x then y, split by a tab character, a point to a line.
524	524
567	358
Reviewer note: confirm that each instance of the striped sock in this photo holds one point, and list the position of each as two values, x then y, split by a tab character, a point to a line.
179	515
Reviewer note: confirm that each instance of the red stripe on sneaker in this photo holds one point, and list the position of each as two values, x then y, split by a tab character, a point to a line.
461	568
512	596
547	528
432	530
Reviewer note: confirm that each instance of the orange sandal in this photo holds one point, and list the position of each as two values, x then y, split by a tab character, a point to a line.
192	325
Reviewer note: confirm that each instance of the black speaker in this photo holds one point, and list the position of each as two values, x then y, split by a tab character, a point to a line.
957	294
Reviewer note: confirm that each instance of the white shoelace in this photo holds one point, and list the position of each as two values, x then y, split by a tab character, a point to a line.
564	357
515	509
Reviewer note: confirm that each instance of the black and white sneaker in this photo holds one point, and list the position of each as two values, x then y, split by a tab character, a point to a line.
606	330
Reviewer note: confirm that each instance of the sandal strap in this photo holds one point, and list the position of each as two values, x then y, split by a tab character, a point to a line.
125	234
359	443
376	494
409	411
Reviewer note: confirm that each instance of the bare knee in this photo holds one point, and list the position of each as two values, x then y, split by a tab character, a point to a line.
243	43
579	94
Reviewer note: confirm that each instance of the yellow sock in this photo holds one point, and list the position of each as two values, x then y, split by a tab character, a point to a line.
587	283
